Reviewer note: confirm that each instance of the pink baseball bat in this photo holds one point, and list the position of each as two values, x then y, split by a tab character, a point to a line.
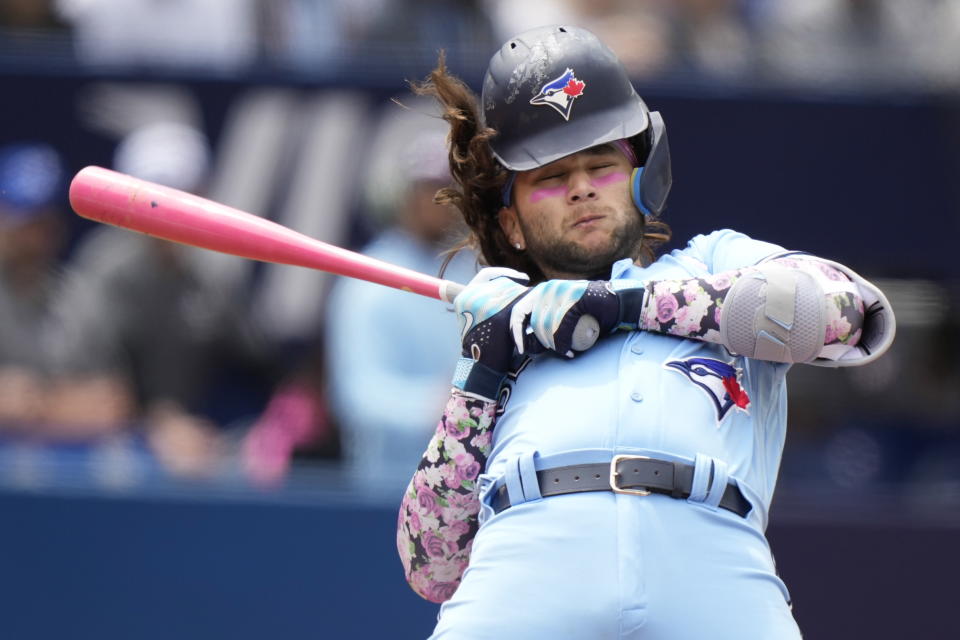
124	201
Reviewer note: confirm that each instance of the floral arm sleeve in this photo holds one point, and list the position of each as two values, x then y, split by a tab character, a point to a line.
693	308
438	514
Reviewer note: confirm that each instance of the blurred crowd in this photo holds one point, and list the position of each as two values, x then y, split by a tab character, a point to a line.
135	340
211	366
833	44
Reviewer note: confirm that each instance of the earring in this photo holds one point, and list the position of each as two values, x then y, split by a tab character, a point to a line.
516	245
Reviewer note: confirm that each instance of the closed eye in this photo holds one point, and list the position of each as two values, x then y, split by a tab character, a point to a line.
552	176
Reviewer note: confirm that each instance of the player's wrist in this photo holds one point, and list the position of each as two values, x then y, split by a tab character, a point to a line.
631	296
478	379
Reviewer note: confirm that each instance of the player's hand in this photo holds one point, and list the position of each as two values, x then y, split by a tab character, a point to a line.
553	309
489	351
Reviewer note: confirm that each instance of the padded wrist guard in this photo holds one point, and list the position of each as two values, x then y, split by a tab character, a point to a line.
631	295
477	379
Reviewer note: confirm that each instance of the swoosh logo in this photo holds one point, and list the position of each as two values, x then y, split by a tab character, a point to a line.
466	323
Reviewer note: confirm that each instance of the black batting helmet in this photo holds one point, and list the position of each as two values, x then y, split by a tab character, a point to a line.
553	91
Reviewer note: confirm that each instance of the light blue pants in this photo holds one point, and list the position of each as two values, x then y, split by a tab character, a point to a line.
601	566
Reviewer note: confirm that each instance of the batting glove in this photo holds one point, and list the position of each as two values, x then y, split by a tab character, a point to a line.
489	351
553	310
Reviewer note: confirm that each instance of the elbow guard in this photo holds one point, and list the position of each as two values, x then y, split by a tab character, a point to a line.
779	314
774	313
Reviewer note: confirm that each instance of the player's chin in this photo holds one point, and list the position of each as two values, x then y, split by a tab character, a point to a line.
595	241
607	247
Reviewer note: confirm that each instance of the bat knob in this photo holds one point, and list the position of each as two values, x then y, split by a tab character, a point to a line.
585	334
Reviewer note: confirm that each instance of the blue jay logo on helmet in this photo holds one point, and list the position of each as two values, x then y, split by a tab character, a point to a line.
560	93
718	379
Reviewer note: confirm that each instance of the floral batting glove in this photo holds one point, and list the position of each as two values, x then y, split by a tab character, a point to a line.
483	309
553	310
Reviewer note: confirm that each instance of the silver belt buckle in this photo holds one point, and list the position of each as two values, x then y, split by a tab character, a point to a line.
614	474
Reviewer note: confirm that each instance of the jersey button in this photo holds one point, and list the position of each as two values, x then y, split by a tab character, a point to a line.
636	348
636	396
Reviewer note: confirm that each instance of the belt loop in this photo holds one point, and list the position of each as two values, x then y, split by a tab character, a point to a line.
486	485
511	478
700	487
719	484
528	477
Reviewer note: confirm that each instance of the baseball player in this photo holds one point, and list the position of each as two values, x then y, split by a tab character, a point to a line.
624	492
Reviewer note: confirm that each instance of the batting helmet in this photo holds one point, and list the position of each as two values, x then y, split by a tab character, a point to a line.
553	91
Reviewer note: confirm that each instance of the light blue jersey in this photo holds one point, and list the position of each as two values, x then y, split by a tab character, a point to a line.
636	391
643	566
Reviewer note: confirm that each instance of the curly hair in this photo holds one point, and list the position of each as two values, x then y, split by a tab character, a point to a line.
479	178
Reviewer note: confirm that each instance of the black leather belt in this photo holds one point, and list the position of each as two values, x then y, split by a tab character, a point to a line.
634	475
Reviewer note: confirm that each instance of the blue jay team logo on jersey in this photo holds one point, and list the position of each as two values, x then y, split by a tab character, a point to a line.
560	93
719	380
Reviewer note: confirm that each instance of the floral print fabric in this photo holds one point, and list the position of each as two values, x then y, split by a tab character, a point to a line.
693	308
438	514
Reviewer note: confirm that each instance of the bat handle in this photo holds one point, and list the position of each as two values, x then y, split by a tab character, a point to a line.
585	334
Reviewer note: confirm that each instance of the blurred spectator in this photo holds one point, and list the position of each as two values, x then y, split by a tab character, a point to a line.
510	18
637	31
31	196
306	33
710	36
219	35
297	423
142	334
421	27
857	44
303	32
391	354
28	14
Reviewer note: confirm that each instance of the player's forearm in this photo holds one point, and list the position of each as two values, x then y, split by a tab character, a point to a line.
694	308
438	514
